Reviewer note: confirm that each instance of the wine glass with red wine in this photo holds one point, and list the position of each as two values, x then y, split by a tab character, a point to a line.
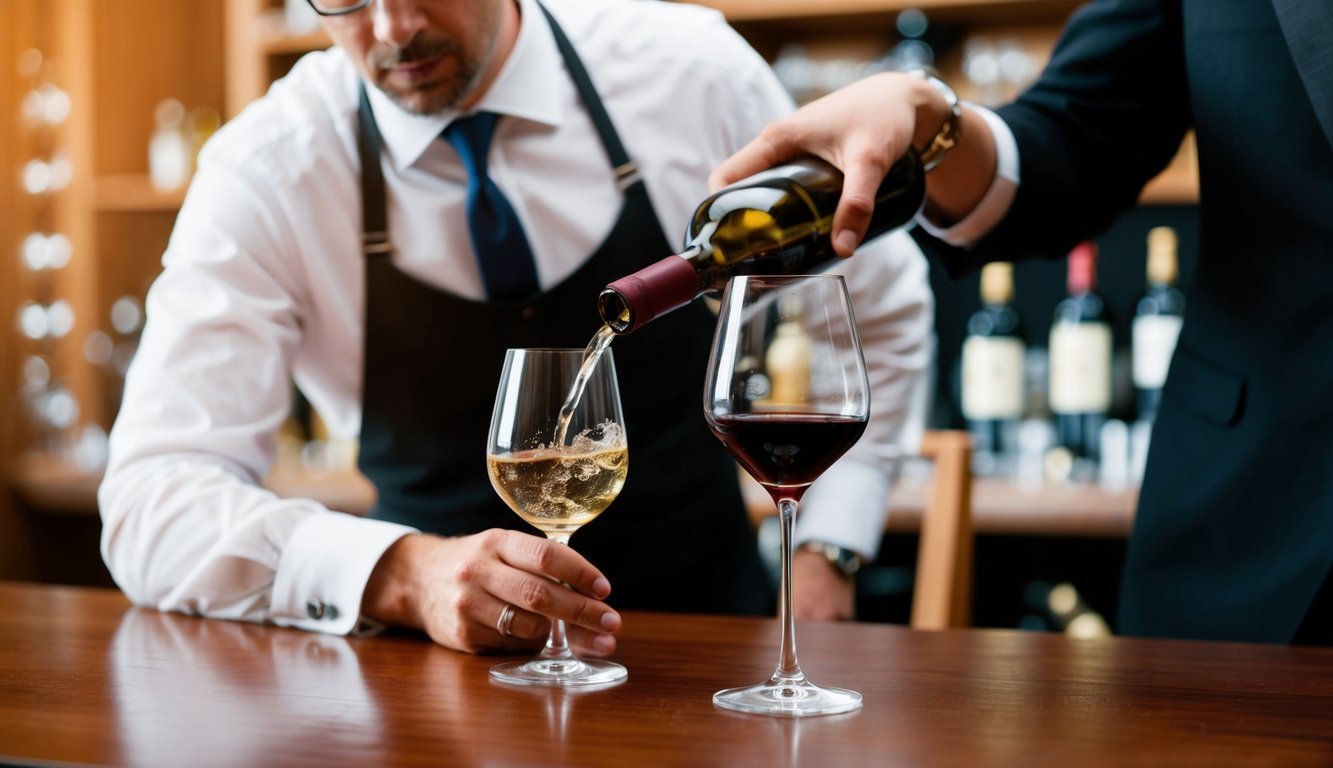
787	394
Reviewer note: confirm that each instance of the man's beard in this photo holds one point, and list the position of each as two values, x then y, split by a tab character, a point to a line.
443	92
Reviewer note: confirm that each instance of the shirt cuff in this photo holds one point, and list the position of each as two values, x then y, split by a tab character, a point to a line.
846	506
324	569
999	196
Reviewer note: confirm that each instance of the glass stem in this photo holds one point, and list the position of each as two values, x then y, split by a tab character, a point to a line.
557	643
788	669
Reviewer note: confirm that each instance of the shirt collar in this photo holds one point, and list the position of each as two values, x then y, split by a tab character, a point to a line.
528	87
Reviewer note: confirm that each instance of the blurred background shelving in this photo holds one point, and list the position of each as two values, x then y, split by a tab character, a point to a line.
119	61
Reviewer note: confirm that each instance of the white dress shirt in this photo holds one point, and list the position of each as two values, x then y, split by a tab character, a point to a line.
263	279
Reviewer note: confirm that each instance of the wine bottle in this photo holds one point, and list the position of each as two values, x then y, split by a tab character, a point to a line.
775	222
1080	367
1157	320
788	357
992	372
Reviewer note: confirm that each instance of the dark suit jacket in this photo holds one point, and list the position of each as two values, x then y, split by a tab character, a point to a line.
1234	533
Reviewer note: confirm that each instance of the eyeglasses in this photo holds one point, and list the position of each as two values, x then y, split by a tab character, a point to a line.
338	7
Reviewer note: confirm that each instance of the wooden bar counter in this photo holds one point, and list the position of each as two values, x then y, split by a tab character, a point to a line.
86	679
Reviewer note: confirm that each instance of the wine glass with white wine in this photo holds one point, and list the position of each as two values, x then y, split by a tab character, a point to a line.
557	455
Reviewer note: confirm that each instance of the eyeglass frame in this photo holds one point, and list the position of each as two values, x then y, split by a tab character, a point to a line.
358	6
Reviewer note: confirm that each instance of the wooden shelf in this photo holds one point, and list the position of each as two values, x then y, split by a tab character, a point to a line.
46	484
283	42
847	24
825	10
1001	508
129	192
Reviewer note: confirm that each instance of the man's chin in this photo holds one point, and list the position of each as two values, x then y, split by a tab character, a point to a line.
428	99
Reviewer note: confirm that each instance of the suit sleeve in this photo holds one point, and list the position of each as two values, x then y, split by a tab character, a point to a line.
1107	115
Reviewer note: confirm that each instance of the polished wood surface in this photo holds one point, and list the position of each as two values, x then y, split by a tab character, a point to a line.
86	679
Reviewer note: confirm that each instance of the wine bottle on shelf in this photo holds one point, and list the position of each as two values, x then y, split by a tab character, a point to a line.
788	357
992	373
1157	320
778	221
1080	365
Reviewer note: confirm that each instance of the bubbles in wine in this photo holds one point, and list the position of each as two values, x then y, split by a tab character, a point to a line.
561	488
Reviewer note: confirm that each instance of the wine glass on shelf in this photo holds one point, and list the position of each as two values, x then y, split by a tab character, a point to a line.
787	394
557	455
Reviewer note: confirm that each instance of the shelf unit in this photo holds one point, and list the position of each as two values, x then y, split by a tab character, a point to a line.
260	49
116	61
861	24
17	22
120	59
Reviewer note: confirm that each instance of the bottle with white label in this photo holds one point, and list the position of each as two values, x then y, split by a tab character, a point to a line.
1157	320
992	372
1080	365
170	149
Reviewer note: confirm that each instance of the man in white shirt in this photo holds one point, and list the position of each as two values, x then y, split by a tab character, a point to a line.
394	332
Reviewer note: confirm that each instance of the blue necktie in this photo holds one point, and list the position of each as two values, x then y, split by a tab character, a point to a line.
502	250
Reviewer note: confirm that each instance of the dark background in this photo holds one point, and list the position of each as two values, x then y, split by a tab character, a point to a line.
1009	569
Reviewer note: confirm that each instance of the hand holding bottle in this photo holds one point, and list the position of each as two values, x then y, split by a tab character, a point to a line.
863	129
776	222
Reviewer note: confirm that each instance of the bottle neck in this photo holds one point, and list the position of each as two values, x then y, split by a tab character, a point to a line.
776	222
1162	268
1082	277
997	284
628	303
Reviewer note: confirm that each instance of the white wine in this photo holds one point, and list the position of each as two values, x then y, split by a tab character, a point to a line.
559	490
777	222
591	354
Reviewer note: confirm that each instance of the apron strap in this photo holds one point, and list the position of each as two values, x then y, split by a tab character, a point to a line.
374	205
627	173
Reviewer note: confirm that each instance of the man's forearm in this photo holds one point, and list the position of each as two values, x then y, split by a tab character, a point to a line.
961	179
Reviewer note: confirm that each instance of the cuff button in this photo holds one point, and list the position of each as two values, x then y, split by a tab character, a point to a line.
317	609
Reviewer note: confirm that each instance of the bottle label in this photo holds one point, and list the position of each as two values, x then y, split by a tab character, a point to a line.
1154	340
992	378
1080	368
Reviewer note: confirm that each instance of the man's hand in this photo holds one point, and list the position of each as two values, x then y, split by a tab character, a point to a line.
821	592
863	129
456	589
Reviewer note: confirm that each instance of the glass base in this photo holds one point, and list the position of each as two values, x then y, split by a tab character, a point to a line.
564	673
788	698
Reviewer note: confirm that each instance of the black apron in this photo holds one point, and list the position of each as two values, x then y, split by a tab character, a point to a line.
678	537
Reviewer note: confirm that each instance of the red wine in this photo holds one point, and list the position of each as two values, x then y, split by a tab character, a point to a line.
1080	387
777	222
786	452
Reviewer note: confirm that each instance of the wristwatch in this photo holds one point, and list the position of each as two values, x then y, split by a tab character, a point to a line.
952	129
845	560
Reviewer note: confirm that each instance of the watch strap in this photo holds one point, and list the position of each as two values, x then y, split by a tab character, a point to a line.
845	560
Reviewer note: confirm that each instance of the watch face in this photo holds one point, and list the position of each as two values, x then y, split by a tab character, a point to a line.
843	559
